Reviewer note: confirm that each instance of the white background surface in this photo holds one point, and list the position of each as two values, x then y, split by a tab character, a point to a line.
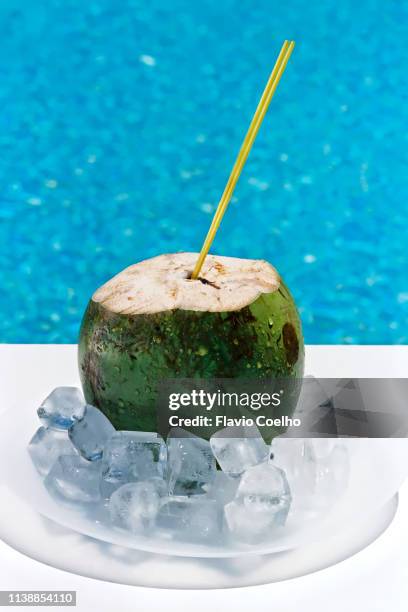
375	579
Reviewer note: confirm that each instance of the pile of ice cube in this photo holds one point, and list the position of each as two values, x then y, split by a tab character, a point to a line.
188	488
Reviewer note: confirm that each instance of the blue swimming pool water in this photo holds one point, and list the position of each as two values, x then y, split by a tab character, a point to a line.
119	125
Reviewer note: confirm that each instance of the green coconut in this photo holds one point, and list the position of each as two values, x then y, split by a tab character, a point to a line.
152	322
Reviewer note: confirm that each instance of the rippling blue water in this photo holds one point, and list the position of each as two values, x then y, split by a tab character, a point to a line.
119	125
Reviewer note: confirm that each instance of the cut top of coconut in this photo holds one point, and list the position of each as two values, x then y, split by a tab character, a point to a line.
163	283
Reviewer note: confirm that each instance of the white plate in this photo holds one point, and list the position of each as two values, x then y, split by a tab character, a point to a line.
43	540
378	469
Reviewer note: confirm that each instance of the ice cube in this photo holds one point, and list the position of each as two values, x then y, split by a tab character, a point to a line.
62	408
296	457
74	479
236	449
46	446
90	434
130	456
323	447
191	518
191	464
261	504
316	479
247	526
312	396
314	410
135	505
332	477
264	488
223	488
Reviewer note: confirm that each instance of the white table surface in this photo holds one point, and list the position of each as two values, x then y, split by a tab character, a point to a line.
373	580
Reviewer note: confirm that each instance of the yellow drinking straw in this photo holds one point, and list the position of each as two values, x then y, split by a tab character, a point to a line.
253	129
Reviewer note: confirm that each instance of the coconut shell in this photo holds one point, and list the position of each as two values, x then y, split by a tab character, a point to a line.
152	322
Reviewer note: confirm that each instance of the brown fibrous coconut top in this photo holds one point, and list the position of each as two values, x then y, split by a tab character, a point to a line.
163	283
